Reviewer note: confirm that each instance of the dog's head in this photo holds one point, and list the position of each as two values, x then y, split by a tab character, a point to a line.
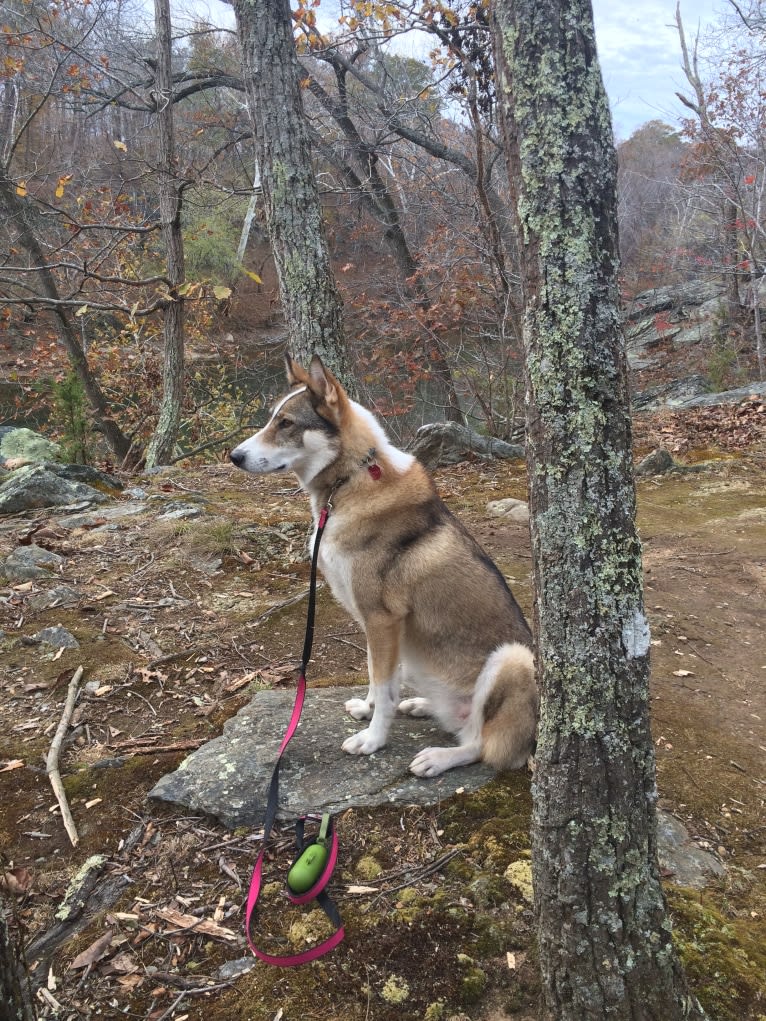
303	431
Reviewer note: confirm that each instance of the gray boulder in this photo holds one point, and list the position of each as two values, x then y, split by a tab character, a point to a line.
684	862
228	778
26	446
441	443
56	636
515	510
672	394
45	485
27	562
709	400
659	462
59	595
679	314
678	298
89	476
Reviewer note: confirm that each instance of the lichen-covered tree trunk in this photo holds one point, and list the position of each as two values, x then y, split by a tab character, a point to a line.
163	441
603	929
310	298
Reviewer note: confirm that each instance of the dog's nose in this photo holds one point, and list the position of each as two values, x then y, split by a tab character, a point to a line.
237	457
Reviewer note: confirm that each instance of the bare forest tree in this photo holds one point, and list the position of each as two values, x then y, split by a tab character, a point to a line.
93	210
729	134
310	299
602	923
162	445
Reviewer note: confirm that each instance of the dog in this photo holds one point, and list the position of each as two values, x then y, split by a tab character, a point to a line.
437	614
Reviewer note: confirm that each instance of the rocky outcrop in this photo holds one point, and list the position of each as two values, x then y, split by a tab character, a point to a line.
20	446
442	443
670	394
27	562
692	392
709	400
683	314
55	485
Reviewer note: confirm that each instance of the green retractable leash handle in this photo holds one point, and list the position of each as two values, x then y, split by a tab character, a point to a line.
310	864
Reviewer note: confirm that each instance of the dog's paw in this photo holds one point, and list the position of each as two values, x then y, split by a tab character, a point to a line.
363	743
359	708
431	761
415	707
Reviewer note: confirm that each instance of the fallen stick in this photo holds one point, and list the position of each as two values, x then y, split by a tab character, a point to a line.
140	748
52	762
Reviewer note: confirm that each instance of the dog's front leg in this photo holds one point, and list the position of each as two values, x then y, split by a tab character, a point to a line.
361	708
383	694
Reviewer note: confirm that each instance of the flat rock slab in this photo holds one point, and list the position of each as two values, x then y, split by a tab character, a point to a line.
228	777
685	863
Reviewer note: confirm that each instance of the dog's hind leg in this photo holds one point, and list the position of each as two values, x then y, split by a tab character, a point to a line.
454	713
361	708
416	706
383	663
500	726
433	761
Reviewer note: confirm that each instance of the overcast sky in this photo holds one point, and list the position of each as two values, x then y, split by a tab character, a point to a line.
640	56
637	45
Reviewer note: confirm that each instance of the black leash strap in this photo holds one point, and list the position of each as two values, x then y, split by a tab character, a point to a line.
317	890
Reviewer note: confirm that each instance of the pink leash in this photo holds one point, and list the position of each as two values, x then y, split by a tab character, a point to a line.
328	838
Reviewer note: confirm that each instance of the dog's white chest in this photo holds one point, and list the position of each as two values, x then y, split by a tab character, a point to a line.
336	569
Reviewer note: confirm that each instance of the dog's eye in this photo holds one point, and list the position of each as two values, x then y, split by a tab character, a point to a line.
284	423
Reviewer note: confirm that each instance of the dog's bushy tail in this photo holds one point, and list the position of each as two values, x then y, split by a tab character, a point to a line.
507	712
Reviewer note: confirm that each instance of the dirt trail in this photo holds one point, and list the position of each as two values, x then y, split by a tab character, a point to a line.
175	625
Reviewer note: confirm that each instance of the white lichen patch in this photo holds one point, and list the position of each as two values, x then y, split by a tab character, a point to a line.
636	636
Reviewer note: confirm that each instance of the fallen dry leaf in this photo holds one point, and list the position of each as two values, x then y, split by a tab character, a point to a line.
194	925
36	686
16	881
124	963
130	982
94	952
12	764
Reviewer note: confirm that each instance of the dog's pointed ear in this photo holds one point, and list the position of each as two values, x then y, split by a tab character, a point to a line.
295	372
326	388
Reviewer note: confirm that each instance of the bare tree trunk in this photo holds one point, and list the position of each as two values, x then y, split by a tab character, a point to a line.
377	198
16	1002
756	279
310	298
26	236
719	142
163	441
603	928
